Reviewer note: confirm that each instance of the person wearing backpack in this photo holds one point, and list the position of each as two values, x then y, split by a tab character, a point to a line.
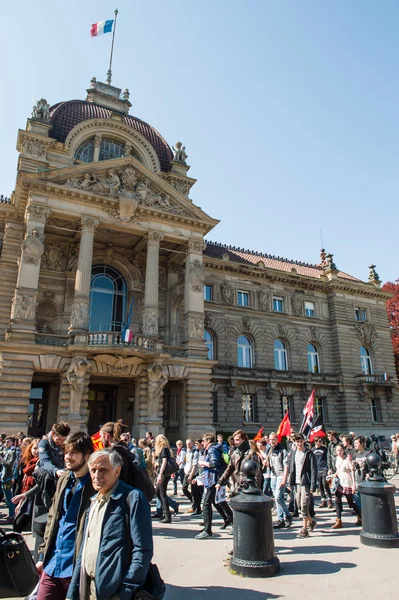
212	463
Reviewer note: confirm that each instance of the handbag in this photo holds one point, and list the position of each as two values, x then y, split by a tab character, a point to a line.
171	467
23	520
18	572
154	587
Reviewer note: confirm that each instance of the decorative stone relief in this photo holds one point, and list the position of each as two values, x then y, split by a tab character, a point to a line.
32	247
46	315
154	238
183	187
157	379
207	320
195	246
37	213
227	293
179	153
365	333
150	322
119	365
33	148
24	304
80	312
73	256
162	275
54	257
194	326
69	291
41	111
282	330
297	305
247	324
89	224
314	332
264	300
196	276
75	376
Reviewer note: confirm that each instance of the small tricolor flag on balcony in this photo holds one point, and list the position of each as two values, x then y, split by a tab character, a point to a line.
127	336
101	27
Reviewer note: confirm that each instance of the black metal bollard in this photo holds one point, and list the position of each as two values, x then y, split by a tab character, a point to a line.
253	545
380	524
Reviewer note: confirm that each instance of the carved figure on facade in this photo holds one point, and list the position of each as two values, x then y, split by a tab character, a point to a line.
179	153
54	257
180	186
109	187
157	379
314	332
329	264
117	364
194	326
24	305
80	312
33	148
207	320
75	375
282	330
264	300
34	212
196	276
297	305
69	291
247	324
46	315
227	293
366	333
32	247
150	322
41	111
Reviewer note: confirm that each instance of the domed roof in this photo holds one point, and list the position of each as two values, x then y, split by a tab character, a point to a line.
65	115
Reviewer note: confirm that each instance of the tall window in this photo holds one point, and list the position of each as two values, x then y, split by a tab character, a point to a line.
280	356
375	410
313	359
243	298
278	304
248	404
208	337
319	407
107	299
111	149
365	361
360	314
208	292
287	404
309	309
244	352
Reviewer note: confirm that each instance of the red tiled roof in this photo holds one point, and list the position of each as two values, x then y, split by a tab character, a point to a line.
239	255
65	115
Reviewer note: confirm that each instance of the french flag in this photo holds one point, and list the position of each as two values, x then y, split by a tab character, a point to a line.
101	27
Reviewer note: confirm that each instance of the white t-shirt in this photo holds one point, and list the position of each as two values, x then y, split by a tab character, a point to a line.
299	460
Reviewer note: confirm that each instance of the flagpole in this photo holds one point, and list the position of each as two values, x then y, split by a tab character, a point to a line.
109	72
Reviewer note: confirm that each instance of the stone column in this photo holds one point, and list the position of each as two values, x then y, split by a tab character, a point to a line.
23	310
81	300
150	311
194	299
97	145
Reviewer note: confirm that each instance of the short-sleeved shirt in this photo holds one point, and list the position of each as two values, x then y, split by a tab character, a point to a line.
165	453
299	460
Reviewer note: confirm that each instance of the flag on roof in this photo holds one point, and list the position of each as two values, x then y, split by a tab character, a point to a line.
101	27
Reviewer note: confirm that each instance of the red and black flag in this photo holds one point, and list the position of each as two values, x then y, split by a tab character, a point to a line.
318	429
308	413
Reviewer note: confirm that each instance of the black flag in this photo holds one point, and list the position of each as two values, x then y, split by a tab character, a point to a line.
318	429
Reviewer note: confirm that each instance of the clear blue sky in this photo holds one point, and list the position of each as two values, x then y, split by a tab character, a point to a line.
288	109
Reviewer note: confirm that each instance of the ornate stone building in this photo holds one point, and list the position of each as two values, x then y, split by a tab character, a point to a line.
112	306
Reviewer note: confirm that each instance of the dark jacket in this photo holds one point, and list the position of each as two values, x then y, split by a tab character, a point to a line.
55	513
125	550
51	457
213	456
237	459
309	470
332	455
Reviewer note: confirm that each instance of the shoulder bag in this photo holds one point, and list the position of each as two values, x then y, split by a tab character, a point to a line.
18	572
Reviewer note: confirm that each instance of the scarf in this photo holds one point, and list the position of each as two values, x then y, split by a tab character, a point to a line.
243	447
28	480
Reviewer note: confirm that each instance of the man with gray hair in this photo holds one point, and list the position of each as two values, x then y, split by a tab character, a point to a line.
117	547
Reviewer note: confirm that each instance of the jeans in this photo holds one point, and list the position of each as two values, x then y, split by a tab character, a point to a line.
179	476
7	489
351	504
278	493
324	489
158	506
223	509
186	491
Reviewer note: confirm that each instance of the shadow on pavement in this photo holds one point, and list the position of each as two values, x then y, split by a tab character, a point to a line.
314	567
315	549
177	532
174	592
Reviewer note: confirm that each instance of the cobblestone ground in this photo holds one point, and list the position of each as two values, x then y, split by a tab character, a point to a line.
328	562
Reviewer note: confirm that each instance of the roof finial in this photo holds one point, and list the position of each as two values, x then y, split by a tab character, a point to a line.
374	278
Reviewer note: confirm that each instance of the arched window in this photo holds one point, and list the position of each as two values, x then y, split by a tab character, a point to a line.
313	359
365	361
85	152
107	299
208	337
280	356
111	149
244	352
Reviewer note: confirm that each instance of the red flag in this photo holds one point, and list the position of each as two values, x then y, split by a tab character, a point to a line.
308	412
318	429
259	435
284	429
97	443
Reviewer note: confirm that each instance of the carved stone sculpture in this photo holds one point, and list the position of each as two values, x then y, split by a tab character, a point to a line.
24	304
196	276
195	246
80	313
41	111
117	364
194	326
207	320
227	293
150	322
32	247
75	376
264	300
297	305
373	275
246	323
54	257
33	148
157	379
109	187
34	212
179	153
365	333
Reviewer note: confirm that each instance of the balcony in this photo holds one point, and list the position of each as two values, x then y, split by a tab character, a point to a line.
115	339
374	379
274	375
53	340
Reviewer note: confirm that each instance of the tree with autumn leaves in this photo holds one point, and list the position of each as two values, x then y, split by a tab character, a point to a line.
392	306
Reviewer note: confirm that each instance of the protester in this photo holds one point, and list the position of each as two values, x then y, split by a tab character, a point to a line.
277	459
190	468
24	503
320	452
345	486
51	454
241	454
180	459
303	475
7	463
348	447
19	465
162	453
117	547
333	442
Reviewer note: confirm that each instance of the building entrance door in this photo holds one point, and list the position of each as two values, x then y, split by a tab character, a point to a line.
172	400
37	411
102	406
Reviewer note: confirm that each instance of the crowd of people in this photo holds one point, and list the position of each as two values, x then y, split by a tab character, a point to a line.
89	510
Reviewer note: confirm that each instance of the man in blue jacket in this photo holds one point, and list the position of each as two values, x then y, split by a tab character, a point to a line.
51	453
117	543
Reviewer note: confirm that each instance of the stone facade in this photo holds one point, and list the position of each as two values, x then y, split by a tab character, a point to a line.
101	200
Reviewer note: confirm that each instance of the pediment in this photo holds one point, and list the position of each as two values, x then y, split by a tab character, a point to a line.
127	187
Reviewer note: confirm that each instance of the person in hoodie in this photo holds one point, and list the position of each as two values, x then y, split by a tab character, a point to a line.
212	463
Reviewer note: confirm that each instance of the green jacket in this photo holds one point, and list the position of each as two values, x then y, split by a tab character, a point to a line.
55	513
